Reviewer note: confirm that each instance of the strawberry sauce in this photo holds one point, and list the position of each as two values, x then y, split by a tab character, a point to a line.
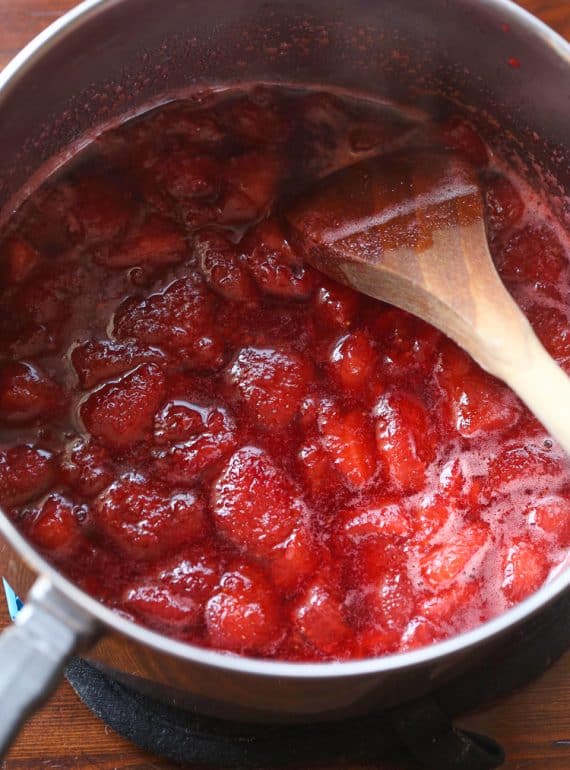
222	444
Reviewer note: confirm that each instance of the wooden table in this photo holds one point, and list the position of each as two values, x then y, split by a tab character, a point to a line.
533	726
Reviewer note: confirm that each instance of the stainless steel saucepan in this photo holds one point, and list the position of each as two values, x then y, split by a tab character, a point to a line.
109	58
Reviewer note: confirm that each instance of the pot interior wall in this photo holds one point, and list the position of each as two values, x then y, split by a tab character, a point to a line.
128	53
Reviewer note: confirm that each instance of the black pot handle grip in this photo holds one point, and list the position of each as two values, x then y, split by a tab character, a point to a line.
429	736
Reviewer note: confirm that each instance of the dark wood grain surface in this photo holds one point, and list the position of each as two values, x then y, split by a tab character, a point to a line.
533	725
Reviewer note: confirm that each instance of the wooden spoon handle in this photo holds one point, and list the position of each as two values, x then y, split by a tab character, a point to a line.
509	349
544	388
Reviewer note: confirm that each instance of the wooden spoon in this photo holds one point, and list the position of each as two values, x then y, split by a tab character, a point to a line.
408	229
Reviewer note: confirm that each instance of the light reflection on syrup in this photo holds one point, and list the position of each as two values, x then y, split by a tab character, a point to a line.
385	203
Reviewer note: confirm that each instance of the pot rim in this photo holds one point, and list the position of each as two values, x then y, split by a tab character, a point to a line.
29	56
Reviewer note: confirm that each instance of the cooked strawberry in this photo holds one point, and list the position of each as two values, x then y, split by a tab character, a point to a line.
451	608
519	461
19	259
533	255
174	594
348	438
52	296
405	439
456	134
87	467
312	407
175	318
102	209
336	305
316	465
353	360
453	363
56	527
144	518
51	221
481	405
274	265
156	241
376	641
122	413
552	328
295	559
25	473
179	420
199	127
243	614
385	517
188	175
551	515
318	616
461	484
202	212
97	360
429	515
419	633
406	344
271	383
476	403
504	206
370	563
386	601
223	266
254	503
453	559
207	353
41	302
251	185
525	568
99	570
257	119
33	340
367	560
26	393
183	462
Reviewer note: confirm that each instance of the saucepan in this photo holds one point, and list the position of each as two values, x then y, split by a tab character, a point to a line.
109	58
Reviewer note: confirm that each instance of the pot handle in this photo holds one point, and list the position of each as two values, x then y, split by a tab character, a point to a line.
34	652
